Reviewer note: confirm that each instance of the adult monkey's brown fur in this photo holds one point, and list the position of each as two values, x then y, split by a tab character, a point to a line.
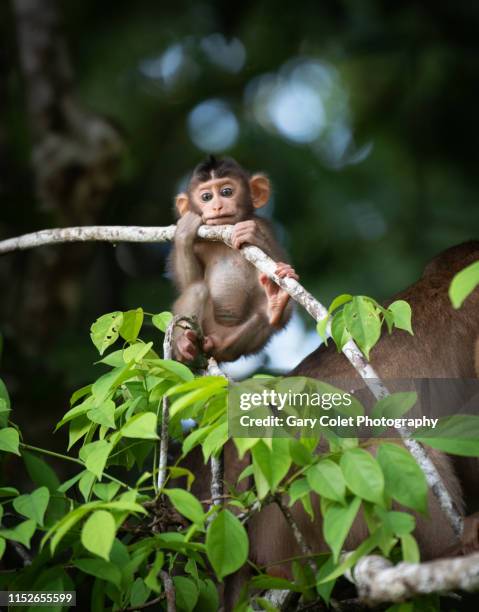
237	308
444	345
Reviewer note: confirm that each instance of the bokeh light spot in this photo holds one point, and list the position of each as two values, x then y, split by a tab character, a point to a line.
212	126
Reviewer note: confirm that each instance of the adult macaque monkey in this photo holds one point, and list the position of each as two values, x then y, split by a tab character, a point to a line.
445	345
238	308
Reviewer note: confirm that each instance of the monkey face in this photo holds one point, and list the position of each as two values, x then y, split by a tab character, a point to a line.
221	201
225	200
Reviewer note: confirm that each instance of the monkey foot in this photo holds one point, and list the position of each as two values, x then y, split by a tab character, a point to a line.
187	346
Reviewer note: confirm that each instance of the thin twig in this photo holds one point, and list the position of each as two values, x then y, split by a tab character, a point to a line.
169	591
165	414
147	604
216	463
266	265
298	536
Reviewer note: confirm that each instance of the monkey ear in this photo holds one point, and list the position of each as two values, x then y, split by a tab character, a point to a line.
182	203
260	190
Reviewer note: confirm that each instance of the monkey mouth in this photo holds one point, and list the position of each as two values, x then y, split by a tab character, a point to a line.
220	220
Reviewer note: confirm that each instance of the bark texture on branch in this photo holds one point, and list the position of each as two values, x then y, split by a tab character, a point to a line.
264	264
379	581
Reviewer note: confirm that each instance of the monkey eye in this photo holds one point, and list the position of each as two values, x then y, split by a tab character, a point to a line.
227	192
206	196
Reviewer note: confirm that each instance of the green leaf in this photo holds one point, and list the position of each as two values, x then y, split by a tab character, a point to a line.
321	327
338	301
104	414
404	480
178	472
95	456
327	479
21	533
2	547
197	383
98	533
339	333
136	352
463	284
243	445
215	440
363	323
79	393
325	589
457	434
40	472
108	383
87	480
394	405
195	438
76	411
9	440
114	359
151	579
8	491
60	529
106	492
410	549
4	401
142	426
208	599
174	367
132	322
105	331
100	568
33	505
402	315
401	523
186	593
337	523
139	593
204	393
298	489
274	463
363	475
186	504
124	505
63	488
363	549
162	320
299	453
226	544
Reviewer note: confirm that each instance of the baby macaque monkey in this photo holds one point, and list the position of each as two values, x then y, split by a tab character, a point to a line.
238	308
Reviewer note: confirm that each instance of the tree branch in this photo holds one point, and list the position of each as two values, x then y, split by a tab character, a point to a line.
216	463
298	536
169	591
379	581
165	414
265	264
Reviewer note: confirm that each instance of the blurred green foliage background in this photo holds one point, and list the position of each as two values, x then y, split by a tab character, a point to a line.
363	113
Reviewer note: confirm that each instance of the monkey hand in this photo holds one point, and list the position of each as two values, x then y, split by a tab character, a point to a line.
187	346
186	228
248	232
276	296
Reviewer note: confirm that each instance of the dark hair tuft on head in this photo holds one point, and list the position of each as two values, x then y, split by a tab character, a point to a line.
218	168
